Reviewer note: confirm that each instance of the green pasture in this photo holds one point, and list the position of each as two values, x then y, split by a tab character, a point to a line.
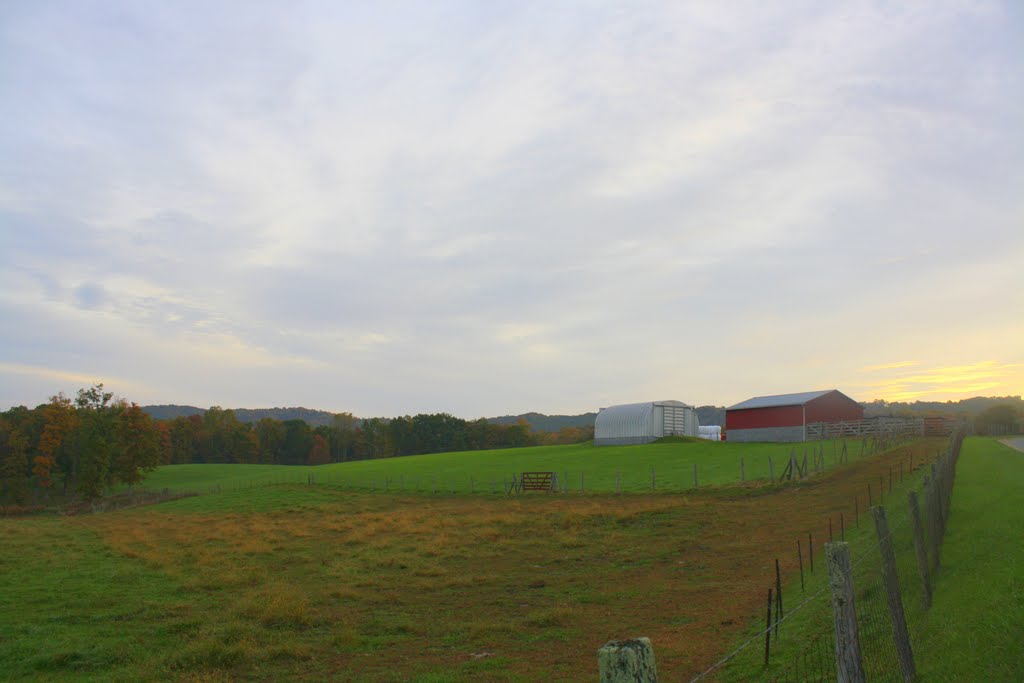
664	466
280	582
75	610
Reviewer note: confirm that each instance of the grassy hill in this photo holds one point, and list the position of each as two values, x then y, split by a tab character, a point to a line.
606	468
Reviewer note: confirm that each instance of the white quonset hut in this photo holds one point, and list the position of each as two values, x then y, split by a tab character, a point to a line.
635	423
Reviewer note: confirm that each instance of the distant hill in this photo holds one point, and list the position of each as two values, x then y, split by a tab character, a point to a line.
169	412
313	417
968	407
539	422
711	415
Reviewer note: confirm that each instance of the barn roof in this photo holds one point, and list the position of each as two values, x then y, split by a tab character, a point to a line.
645	406
780	400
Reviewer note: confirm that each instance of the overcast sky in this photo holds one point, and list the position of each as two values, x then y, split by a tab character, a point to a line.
486	208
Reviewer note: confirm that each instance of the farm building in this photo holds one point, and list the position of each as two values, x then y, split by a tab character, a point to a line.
635	423
785	417
710	432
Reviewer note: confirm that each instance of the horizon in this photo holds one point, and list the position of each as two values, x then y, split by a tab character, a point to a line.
495	210
492	416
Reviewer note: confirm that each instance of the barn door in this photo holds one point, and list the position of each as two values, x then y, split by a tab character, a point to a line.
675	420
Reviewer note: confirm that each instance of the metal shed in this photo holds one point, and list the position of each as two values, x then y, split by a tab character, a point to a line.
784	417
636	423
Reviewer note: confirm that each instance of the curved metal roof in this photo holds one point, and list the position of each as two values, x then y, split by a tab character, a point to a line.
630	419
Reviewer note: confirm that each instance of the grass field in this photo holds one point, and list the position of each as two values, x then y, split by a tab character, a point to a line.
606	468
303	582
977	619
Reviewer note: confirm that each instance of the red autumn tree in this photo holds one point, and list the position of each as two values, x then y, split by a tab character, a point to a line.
61	420
320	453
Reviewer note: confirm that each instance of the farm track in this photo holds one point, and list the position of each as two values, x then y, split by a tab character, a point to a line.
389	587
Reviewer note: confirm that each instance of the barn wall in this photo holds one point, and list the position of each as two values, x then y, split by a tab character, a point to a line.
834	407
757	418
657	426
777	434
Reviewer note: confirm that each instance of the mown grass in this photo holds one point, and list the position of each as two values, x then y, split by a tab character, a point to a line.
74	609
974	628
581	467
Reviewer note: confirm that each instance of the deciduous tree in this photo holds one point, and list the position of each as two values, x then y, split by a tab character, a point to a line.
319	454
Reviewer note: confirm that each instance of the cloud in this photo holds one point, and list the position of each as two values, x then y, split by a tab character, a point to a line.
959	381
487	210
889	366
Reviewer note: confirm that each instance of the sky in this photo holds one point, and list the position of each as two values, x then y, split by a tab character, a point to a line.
489	208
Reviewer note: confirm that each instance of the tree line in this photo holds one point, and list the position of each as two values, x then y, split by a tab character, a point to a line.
86	445
82	446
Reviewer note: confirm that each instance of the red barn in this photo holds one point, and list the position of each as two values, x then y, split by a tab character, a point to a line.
785	417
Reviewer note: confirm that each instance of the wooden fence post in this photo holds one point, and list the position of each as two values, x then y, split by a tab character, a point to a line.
900	635
849	668
919	547
627	661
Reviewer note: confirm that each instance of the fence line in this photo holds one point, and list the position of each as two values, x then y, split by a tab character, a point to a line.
886	654
812	460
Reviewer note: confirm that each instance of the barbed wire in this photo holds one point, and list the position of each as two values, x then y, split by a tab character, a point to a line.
759	635
897	523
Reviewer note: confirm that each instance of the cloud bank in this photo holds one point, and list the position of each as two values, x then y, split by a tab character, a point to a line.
488	209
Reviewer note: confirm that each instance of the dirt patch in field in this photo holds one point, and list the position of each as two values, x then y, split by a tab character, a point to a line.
120	501
378	587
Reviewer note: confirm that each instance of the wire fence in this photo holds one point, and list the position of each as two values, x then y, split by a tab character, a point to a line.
786	462
893	551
